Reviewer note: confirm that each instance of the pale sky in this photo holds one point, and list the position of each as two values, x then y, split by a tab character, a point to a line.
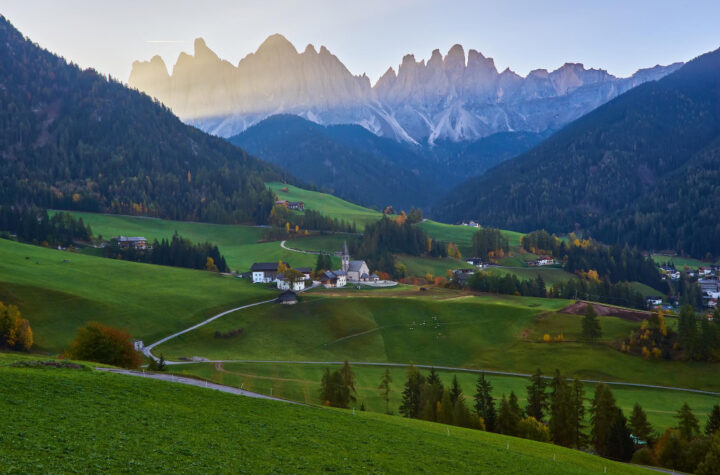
370	35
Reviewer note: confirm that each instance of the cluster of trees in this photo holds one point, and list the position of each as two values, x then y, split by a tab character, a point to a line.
74	139
337	388
620	293
387	236
615	263
497	283
177	252
696	338
282	217
556	412
104	344
488	243
15	332
36	226
425	397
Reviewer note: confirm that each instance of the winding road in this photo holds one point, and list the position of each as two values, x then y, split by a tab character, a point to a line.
148	352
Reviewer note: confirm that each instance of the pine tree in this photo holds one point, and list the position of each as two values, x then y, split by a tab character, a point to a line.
591	330
484	402
348	383
325	395
687	330
639	424
618	444
688	424
455	391
578	404
713	423
161	365
536	396
561	412
602	414
410	406
445	414
385	389
711	464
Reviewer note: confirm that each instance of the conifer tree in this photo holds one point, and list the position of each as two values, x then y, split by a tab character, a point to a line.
639	424
561	424
410	406
484	402
688	424
385	389
591	330
577	397
536	396
445	414
602	414
455	391
618	444
711	464
713	423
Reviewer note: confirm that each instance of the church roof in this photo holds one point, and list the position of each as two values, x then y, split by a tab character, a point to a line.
355	266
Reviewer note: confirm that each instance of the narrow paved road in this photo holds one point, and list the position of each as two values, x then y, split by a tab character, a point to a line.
282	244
195	382
147	351
449	368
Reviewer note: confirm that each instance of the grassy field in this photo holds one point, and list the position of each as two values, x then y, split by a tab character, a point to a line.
86	421
302	383
551	275
327	204
461	235
327	243
59	291
239	244
483	332
419	266
680	262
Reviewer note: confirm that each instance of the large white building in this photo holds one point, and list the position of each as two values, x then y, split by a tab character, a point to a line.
264	272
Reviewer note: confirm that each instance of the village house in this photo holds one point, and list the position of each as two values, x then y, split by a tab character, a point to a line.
544	261
708	286
136	242
333	278
285	283
704	271
653	302
305	271
293	205
287	298
264	272
472	224
476	261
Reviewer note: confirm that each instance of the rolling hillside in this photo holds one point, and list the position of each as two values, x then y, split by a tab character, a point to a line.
108	422
641	169
74	139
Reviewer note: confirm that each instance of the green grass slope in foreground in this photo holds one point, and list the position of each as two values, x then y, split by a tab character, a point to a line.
59	291
239	244
327	204
85	421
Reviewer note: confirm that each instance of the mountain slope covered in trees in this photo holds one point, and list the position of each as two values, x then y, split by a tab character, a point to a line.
74	139
349	160
643	168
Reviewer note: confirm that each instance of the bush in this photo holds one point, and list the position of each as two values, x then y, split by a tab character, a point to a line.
531	428
104	344
643	456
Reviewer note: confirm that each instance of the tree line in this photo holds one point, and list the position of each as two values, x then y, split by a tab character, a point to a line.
488	243
36	226
177	252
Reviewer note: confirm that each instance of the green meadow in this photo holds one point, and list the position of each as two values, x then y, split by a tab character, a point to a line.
60	291
680	262
485	332
327	204
239	244
301	382
67	420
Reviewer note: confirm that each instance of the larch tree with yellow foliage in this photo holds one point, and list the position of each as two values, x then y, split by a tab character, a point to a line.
15	332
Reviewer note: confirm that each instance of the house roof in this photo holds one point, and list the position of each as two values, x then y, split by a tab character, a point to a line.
131	239
287	296
265	266
304	270
355	266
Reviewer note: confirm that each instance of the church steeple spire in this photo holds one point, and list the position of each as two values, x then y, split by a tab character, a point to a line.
345	257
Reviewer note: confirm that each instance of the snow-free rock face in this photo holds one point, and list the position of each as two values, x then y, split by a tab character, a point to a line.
446	98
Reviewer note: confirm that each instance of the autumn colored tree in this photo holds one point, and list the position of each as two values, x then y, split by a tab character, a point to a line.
210	265
104	344
15	332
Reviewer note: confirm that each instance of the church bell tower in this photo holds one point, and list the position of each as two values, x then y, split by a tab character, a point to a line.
345	258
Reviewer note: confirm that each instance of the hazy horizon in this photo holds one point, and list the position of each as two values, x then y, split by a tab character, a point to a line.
371	37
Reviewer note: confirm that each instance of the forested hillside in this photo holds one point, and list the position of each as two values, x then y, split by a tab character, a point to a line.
348	160
74	139
641	169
